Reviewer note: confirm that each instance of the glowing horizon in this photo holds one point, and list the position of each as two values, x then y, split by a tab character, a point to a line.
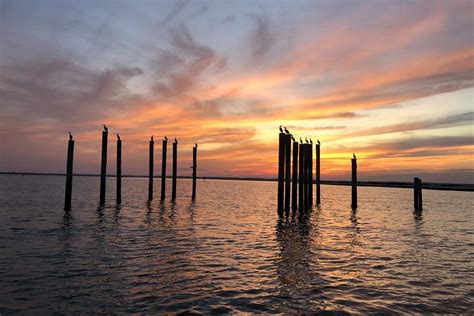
392	82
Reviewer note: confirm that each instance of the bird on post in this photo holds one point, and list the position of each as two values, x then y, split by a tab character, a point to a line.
151	138
105	128
286	131
301	140
70	136
292	138
195	145
311	141
281	130
118	136
175	140
353	155
166	138
319	143
306	139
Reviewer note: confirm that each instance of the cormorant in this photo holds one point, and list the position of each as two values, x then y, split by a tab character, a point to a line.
301	140
151	138
196	145
175	140
292	138
105	128
306	139
166	138
70	136
311	141
353	155
118	136
319	143
286	131
281	130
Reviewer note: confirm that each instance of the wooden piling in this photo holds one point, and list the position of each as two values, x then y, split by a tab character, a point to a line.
175	167
103	165
307	202
294	181
69	167
318	173
150	168
418	196
281	172
287	174
194	171
310	166
415	193
119	171
301	178
163	168
354	183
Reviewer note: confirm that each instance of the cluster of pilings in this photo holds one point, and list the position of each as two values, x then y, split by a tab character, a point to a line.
103	170
301	181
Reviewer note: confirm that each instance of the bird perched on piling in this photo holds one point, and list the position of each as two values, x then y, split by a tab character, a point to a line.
151	138
306	139
354	155
286	131
311	141
105	128
166	138
281	130
301	140
175	140
292	138
118	136
195	145
70	136
319	143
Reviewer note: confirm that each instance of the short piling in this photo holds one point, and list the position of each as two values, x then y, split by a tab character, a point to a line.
354	182
287	174
119	171
318	173
194	171
281	172
103	165
163	168
418	199
294	181
69	167
175	167
150	168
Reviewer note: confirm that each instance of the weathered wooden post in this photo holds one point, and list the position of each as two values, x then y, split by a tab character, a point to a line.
150	168
307	176
103	165
301	177
415	193
318	173
418	200
281	172
69	164
354	182
194	170
420	195
175	167
287	173
163	168
119	170
310	166
294	181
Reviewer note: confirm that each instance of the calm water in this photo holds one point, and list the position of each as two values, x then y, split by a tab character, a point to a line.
227	252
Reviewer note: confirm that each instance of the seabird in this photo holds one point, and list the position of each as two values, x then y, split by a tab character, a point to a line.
311	141
319	143
196	145
166	138
301	140
306	139
70	136
353	155
118	136
175	140
151	137
292	138
105	128
286	131
281	130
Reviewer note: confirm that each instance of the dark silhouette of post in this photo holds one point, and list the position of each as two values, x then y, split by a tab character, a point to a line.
175	167
103	165
318	173
194	170
281	172
354	182
294	181
69	165
418	200
301	177
150	168
307	202
163	168
119	170
287	173
310	166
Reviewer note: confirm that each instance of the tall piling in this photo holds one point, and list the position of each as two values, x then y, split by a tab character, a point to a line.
150	168
194	170
418	199
311	160
175	167
294	181
318	173
163	168
119	171
287	174
103	165
301	177
69	166
420	196
281	172
307	176
354	182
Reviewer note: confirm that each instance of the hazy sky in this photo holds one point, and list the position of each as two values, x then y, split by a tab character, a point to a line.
392	81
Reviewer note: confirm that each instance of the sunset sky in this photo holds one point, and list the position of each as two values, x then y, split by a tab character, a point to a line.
392	81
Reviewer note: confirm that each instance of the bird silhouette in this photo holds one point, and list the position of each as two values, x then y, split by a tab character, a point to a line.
151	138
175	140
319	143
166	138
196	145
281	130
353	155
118	136
286	131
292	138
311	141
70	136
301	140
306	139
105	128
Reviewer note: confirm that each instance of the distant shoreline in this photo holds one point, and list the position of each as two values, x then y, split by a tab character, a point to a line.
384	184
